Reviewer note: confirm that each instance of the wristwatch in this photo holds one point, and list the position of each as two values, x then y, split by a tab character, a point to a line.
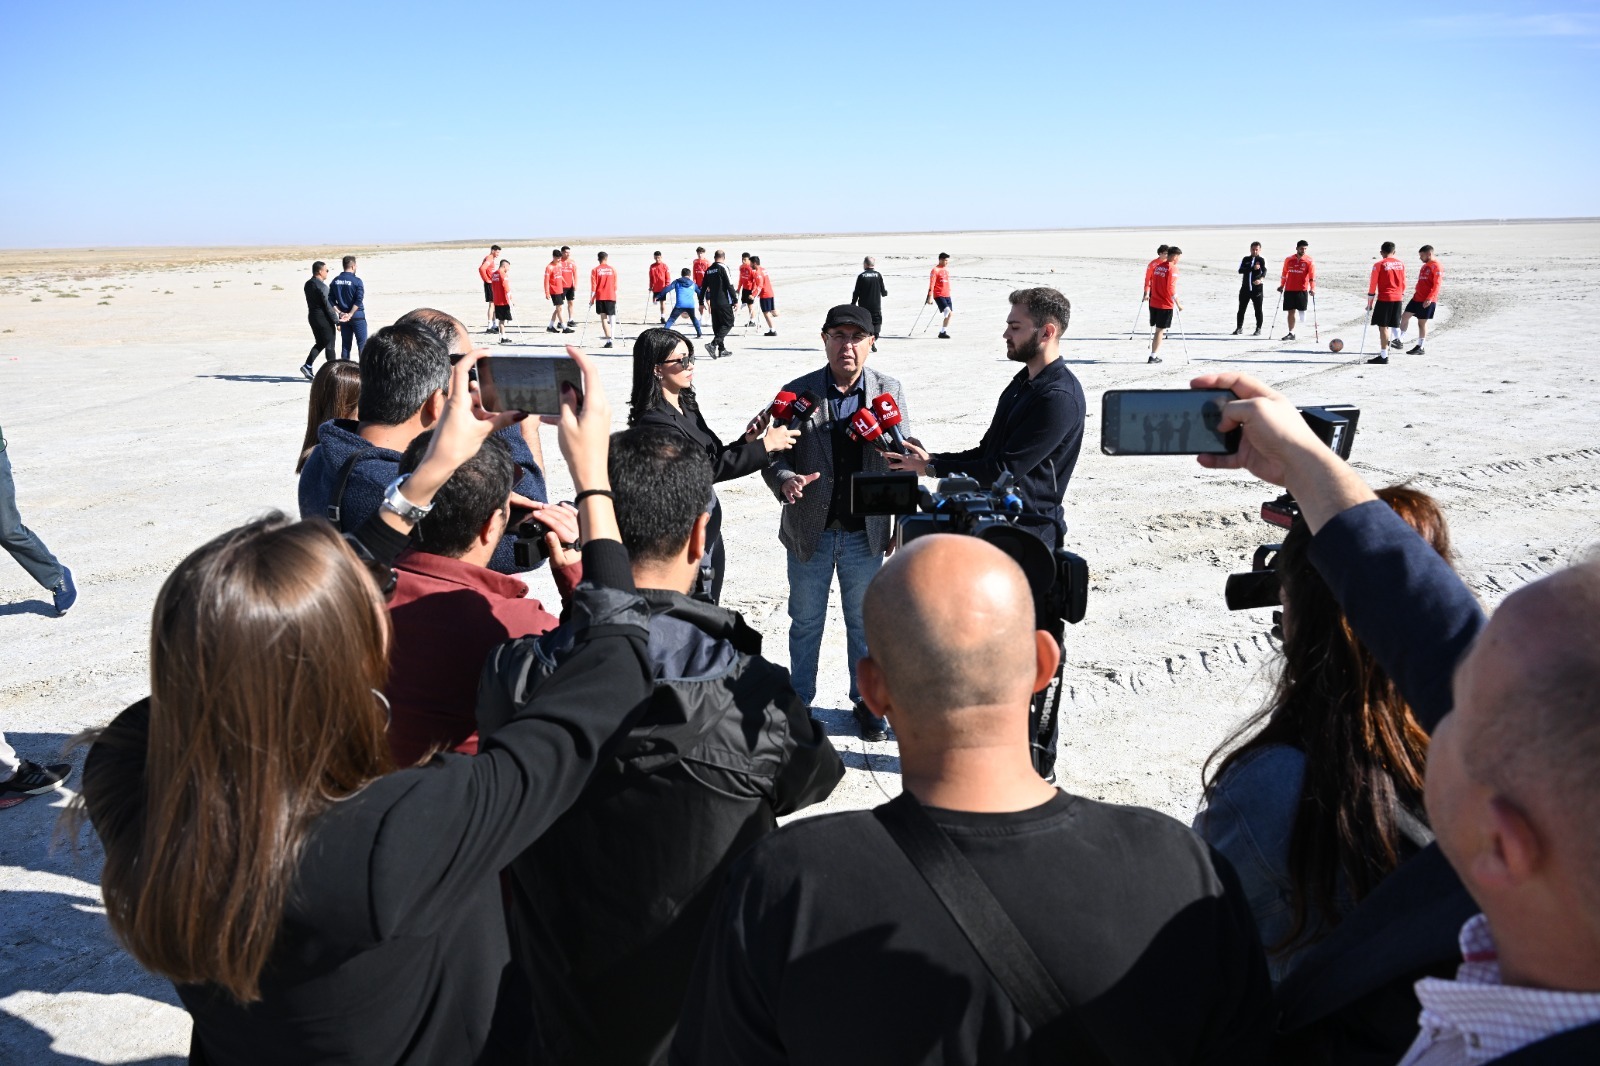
395	503
928	471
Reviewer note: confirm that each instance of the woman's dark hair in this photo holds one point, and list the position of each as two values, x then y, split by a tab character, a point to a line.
1364	752
267	646
335	393
652	348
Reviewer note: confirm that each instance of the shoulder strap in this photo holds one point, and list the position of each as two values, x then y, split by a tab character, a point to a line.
336	504
985	924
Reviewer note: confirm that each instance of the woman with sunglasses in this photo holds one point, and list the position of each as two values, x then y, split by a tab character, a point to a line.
309	902
663	395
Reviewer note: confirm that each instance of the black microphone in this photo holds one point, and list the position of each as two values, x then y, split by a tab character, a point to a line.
802	407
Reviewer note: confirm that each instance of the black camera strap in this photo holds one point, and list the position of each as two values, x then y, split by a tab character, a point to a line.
336	506
985	924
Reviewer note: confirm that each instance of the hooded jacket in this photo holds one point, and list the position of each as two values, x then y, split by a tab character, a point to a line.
608	907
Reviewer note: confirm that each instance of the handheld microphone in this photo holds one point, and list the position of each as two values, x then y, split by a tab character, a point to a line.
888	413
865	427
801	408
781	405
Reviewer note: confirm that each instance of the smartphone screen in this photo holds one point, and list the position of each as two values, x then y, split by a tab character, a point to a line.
530	383
1165	422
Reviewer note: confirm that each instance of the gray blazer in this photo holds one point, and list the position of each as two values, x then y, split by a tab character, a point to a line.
802	523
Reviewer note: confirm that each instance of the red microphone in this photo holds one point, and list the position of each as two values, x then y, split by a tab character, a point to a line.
780	406
888	413
864	427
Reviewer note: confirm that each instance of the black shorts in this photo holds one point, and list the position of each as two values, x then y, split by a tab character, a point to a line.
1296	301
769	304
570	294
1422	311
1386	313
1161	317
502	312
659	297
488	293
944	303
745	297
558	298
605	307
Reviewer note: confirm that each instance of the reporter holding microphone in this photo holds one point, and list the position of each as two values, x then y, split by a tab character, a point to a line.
664	395
310	902
1037	429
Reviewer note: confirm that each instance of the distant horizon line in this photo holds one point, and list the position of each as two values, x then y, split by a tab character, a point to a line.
473	242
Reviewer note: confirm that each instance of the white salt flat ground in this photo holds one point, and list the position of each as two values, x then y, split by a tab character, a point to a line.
150	408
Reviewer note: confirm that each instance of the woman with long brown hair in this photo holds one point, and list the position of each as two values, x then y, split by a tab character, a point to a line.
335	393
1323	797
310	903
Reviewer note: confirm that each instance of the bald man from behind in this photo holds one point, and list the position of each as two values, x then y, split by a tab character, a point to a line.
1142	930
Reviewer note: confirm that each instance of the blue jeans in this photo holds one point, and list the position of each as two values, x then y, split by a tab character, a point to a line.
357	328
27	549
809	582
676	311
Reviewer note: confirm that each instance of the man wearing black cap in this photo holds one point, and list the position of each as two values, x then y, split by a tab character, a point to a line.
817	528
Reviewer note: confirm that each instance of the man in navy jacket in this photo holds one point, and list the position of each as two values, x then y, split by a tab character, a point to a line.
1513	779
349	297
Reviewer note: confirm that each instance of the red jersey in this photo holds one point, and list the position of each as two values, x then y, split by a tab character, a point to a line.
1163	284
763	281
660	276
501	288
700	270
1388	280
744	276
486	267
554	282
939	281
1299	274
1150	269
569	274
603	280
1429	279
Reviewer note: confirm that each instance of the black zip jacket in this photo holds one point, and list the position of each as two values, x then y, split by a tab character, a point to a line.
609	905
870	290
393	948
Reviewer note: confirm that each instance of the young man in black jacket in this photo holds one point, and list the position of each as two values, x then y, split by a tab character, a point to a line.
717	293
608	908
1136	922
1252	271
1513	777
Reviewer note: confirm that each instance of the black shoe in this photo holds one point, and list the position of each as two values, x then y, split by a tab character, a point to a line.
1379	360
31	779
551	329
871	726
1153	359
307	372
65	594
607	344
1257	333
1397	344
943	335
1418	350
1236	332
1288	336
569	329
663	321
505	340
770	333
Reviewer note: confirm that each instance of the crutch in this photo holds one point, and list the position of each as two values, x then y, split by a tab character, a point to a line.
1366	321
1273	331
1135	325
928	323
1316	328
914	322
1183	336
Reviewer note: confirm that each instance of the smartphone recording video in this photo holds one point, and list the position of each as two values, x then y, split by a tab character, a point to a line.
530	383
1165	422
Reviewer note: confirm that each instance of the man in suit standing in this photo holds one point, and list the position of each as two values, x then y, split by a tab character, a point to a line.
1252	270
819	531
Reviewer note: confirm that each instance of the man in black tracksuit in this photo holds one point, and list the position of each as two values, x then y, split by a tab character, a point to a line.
717	290
320	313
1252	269
870	291
608	908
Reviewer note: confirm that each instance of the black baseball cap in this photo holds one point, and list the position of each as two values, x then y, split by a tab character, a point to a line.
849	315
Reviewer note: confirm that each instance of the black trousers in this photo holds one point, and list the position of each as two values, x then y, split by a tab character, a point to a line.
324	333
877	320
1246	298
721	322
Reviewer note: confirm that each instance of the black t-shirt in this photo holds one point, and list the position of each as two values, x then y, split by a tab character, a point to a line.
849	456
829	947
870	290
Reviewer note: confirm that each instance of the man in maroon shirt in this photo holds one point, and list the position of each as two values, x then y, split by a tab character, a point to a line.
449	609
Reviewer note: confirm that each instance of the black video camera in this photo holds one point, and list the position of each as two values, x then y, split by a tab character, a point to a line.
1335	424
528	550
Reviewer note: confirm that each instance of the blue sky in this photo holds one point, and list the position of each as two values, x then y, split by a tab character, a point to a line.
238	123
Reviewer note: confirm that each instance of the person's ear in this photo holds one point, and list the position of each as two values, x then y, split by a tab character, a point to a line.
1514	850
1046	658
433	409
697	538
874	688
